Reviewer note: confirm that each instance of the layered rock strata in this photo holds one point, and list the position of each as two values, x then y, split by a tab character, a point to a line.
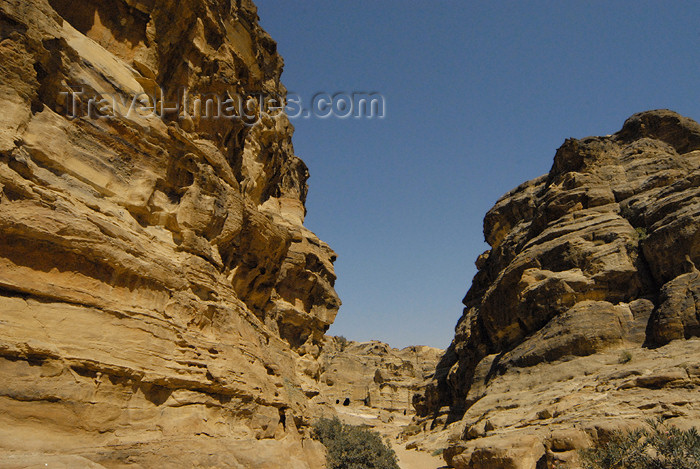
373	375
583	313
157	286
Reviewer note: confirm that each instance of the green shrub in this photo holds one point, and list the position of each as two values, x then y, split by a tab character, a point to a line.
660	447
342	342
625	357
641	233
638	238
409	430
351	447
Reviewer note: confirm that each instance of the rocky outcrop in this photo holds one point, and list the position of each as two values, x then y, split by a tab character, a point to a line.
373	375
595	257
158	290
371	384
540	415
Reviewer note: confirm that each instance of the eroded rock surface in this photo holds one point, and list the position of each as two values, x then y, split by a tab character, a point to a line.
157	287
371	384
373	375
596	257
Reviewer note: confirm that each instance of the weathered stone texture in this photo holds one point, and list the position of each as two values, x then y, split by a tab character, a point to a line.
373	375
597	256
157	286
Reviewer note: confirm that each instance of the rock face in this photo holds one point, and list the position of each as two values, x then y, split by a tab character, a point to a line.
596	257
373	375
371	384
157	287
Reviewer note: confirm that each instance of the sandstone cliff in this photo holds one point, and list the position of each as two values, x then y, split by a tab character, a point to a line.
373	375
158	290
372	384
584	313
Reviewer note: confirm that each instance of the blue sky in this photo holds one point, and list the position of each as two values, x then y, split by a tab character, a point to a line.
478	98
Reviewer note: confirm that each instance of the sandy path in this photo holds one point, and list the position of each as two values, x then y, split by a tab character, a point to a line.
408	459
411	459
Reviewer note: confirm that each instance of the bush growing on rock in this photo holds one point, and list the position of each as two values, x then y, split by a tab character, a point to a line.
660	447
352	447
342	342
625	357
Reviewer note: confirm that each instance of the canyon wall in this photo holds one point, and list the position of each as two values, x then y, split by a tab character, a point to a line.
372	375
162	304
584	314
158	290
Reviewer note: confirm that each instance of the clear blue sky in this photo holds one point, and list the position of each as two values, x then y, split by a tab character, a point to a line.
479	95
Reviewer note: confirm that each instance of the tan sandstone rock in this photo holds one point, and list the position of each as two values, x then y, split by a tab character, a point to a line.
591	269
371	384
373	375
158	291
